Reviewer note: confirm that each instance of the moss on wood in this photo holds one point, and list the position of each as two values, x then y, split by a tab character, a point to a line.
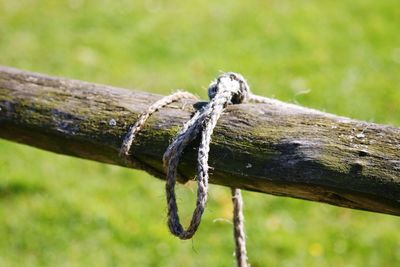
274	148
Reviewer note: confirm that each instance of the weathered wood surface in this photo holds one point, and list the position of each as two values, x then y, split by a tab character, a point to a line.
274	148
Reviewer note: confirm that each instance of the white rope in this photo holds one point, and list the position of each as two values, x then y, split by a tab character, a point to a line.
229	88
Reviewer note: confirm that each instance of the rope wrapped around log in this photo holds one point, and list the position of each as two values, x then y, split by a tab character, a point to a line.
275	147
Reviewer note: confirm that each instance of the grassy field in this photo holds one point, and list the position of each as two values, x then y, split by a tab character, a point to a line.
342	57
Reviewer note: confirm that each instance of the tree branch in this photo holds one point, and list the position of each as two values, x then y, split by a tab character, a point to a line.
274	148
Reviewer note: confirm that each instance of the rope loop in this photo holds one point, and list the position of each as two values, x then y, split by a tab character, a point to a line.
228	88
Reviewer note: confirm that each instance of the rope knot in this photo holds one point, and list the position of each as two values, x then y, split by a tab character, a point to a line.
230	82
228	88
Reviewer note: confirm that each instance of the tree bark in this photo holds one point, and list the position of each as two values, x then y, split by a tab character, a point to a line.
275	148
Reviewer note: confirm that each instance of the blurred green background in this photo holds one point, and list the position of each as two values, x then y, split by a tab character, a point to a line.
342	57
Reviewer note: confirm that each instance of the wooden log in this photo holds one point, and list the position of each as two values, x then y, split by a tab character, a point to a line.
275	148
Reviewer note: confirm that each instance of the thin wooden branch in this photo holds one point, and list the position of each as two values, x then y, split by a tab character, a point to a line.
274	148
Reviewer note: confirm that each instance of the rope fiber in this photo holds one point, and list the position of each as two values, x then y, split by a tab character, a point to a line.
228	88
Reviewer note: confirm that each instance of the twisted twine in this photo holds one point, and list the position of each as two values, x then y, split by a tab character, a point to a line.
229	88
238	228
134	129
224	90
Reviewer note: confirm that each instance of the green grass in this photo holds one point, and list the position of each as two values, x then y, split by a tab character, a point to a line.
339	56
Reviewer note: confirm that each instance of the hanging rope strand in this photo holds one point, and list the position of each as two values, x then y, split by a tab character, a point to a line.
238	228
